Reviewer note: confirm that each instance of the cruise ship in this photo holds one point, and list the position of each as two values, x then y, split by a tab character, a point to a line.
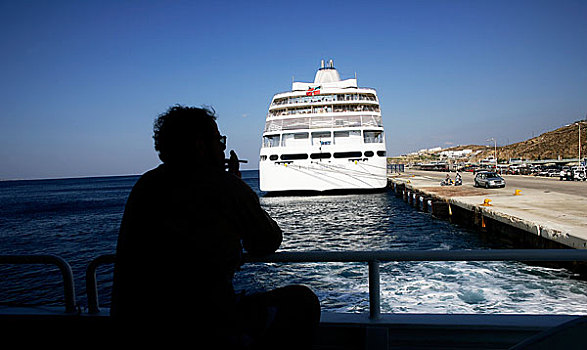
326	135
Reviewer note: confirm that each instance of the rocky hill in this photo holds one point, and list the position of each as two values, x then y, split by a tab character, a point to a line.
560	143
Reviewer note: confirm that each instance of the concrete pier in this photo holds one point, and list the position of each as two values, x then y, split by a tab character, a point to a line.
553	213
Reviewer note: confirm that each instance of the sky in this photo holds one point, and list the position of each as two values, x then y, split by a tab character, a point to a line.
82	81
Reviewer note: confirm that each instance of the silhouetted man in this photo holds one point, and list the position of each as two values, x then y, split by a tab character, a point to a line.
182	234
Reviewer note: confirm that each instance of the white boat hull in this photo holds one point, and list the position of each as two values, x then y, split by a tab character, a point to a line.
330	175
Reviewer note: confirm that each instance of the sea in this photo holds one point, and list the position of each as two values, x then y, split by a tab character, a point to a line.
78	220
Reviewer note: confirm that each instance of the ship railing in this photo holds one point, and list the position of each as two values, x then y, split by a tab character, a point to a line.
373	259
359	90
352	120
64	268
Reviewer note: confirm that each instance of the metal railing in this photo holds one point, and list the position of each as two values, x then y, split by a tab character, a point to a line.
64	267
373	259
91	284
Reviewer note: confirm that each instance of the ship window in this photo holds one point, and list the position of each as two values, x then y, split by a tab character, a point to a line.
373	136
347	155
322	134
294	139
347	137
320	155
263	157
381	153
273	157
369	153
294	156
321	138
271	141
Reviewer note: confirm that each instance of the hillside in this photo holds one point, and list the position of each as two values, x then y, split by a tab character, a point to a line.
474	148
562	142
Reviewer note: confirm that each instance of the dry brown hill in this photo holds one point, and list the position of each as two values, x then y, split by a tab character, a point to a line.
560	143
471	147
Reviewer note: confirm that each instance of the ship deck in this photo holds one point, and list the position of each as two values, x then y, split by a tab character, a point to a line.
74	325
337	331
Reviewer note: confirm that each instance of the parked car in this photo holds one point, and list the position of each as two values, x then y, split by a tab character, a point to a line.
489	179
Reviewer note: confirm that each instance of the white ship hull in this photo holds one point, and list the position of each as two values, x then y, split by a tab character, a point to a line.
323	175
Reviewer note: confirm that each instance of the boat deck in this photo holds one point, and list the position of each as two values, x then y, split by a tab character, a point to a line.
61	327
337	331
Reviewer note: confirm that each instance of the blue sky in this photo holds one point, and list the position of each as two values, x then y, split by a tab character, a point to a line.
82	81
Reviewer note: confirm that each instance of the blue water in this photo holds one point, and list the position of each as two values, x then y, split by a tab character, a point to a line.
78	219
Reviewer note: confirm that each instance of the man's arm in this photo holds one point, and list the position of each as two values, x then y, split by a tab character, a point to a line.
261	235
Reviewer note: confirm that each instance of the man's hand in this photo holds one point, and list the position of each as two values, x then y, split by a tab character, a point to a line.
233	164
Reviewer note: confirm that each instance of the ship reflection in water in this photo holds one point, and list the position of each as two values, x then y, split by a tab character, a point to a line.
78	220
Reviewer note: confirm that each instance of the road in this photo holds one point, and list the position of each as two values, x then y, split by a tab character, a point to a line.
553	184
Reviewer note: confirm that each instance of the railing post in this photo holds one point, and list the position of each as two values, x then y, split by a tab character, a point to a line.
374	290
91	284
92	288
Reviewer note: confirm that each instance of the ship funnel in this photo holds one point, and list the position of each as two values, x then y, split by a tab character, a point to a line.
326	74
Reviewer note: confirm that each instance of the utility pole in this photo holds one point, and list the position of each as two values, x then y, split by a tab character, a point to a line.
494	151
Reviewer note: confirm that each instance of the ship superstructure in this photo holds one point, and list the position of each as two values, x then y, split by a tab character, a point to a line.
322	136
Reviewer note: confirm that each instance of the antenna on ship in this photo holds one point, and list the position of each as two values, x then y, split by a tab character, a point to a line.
322	64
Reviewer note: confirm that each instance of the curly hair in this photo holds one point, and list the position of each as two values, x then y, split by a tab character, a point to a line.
176	129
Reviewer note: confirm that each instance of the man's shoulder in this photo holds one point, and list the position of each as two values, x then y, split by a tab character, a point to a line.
202	177
151	178
153	174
